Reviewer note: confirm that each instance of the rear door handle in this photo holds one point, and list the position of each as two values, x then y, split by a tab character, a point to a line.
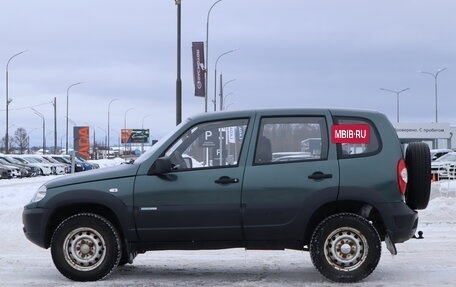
226	180
318	175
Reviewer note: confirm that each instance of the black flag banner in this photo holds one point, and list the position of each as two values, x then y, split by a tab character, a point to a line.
198	69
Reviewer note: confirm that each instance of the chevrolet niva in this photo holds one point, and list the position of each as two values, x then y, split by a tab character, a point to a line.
333	182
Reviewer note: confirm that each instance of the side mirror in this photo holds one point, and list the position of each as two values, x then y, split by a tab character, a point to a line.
161	165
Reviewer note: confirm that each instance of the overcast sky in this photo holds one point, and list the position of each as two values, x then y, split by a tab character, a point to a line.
319	53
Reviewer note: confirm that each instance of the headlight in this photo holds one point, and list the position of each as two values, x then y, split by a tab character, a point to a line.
40	193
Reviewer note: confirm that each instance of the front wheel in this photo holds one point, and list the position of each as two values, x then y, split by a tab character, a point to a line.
85	247
345	248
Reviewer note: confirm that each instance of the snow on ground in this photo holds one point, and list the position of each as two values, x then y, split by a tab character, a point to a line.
427	262
108	162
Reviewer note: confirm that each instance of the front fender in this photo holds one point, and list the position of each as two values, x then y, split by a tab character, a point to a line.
106	204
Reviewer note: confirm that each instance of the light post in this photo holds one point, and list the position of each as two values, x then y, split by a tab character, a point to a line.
222	89
207	52
142	121
125	117
178	80
28	138
435	75
54	103
68	90
397	94
224	99
106	134
44	128
118	137
109	108
8	101
215	76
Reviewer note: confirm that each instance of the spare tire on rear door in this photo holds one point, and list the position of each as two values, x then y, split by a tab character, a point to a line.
418	161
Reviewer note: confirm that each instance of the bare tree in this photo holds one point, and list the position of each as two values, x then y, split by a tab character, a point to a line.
21	140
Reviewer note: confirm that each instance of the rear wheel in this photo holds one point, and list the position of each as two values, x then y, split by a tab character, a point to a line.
345	248
85	247
418	161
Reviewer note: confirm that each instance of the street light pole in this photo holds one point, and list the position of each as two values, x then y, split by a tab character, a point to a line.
215	76
109	107
397	94
435	75
44	128
68	90
178	80
222	89
8	101
207	52
54	103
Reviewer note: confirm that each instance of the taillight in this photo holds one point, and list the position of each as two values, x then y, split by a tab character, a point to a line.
402	176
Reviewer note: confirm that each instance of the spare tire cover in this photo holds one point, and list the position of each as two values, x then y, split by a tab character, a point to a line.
418	161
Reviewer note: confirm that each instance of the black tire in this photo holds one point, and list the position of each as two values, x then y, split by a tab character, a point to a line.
85	247
418	161
345	248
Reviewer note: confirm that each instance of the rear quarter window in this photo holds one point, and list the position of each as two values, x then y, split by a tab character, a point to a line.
348	149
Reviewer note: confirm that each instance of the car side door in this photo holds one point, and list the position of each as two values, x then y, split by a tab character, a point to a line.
199	198
291	169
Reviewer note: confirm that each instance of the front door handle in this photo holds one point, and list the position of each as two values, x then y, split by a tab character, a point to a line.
226	180
318	175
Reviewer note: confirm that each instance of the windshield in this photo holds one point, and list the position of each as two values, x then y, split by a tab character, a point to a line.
33	159
149	152
447	157
3	161
12	160
61	159
21	160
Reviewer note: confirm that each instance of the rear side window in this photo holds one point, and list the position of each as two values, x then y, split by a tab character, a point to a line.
349	149
291	139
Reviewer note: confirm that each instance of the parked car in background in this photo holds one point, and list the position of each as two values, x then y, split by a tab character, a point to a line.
444	167
85	164
64	165
31	170
11	171
45	169
436	153
57	168
67	160
21	169
5	172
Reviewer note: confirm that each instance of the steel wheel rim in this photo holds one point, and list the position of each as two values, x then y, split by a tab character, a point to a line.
84	249
346	249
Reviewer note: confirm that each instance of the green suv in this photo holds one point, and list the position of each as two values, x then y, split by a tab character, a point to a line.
332	182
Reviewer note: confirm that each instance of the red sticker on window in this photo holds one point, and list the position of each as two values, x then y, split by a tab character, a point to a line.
353	134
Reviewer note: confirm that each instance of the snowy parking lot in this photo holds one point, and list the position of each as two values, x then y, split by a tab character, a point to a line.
426	262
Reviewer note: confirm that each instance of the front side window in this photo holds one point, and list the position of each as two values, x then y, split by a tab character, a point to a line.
210	144
289	139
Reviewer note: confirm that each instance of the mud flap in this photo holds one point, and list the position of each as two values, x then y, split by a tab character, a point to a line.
390	245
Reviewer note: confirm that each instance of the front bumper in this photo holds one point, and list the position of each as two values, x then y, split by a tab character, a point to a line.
35	225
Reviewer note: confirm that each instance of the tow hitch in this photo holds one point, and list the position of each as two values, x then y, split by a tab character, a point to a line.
420	235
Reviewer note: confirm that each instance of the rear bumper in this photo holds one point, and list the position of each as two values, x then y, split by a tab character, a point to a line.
400	221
